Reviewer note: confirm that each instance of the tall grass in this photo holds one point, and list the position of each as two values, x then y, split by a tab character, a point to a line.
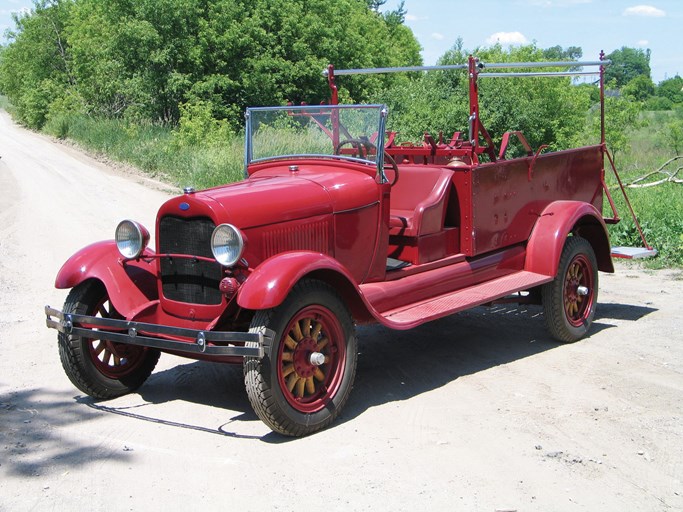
153	149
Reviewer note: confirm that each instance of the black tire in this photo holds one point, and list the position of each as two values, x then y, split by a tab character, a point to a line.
569	300
101	369
291	394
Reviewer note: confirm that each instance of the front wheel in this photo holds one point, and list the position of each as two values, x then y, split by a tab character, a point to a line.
102	369
306	375
569	300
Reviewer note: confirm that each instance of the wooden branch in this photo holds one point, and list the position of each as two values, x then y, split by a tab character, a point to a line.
670	177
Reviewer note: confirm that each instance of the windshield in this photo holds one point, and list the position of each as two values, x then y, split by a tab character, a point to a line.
338	131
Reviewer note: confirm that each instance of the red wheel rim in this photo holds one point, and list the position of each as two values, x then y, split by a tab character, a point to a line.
113	360
578	291
309	387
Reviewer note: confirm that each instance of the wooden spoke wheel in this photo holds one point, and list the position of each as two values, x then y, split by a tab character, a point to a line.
306	376
569	300
102	369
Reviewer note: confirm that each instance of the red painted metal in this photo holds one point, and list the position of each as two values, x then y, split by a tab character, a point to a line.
271	282
416	288
550	232
508	206
505	141
461	300
129	283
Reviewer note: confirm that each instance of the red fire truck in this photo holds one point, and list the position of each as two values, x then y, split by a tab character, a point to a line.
337	224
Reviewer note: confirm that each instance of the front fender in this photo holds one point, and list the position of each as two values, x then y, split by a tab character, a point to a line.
552	228
273	279
129	283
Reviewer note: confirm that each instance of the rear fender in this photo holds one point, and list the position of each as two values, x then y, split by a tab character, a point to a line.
557	221
129	284
273	279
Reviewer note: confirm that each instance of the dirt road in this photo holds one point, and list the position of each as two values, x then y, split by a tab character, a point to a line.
477	412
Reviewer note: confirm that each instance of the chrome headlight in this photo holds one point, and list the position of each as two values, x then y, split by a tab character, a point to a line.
227	244
131	239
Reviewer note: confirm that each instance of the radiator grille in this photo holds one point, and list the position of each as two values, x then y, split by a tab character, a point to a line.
186	279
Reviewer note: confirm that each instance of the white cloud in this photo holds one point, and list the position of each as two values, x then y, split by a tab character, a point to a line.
438	36
643	42
644	10
506	38
412	17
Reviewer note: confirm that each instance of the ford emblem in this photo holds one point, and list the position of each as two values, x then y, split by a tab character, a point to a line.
184	206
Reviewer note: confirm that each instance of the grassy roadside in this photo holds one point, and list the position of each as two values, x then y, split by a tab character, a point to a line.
155	149
660	207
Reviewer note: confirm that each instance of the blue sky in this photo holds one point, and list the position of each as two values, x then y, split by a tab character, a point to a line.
593	25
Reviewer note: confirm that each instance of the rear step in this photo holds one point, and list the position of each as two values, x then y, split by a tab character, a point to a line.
633	253
416	314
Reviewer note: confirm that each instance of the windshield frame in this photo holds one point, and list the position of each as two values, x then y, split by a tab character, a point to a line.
334	111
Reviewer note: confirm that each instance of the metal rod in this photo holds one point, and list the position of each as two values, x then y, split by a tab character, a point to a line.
498	65
602	101
368	71
557	64
539	73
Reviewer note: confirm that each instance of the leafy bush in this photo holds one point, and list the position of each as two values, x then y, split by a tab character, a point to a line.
198	126
658	103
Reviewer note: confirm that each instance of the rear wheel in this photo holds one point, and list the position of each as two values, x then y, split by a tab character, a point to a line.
102	369
569	300
306	375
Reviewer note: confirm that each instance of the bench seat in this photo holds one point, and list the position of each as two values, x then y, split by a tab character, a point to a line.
418	201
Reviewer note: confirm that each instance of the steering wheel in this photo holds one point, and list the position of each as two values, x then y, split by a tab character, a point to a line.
392	162
358	145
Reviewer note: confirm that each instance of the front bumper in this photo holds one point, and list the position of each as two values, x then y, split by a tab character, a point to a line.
213	343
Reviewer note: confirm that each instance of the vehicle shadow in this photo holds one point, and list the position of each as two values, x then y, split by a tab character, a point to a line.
392	365
398	365
32	424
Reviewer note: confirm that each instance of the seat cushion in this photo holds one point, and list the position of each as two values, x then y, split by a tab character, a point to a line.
418	201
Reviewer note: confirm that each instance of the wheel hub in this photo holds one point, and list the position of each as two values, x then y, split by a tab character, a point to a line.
304	354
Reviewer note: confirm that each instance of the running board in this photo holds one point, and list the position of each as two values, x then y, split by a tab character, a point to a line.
413	315
633	253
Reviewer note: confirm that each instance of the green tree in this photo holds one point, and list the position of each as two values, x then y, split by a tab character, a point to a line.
557	53
397	16
35	70
673	135
621	116
672	89
639	89
144	58
627	63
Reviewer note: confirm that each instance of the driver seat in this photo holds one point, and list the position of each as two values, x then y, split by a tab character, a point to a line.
418	201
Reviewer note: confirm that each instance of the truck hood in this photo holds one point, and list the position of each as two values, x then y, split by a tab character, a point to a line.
255	202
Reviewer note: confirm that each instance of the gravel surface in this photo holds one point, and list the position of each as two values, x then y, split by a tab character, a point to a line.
477	412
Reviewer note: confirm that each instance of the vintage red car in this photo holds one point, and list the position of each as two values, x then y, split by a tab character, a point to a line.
335	224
